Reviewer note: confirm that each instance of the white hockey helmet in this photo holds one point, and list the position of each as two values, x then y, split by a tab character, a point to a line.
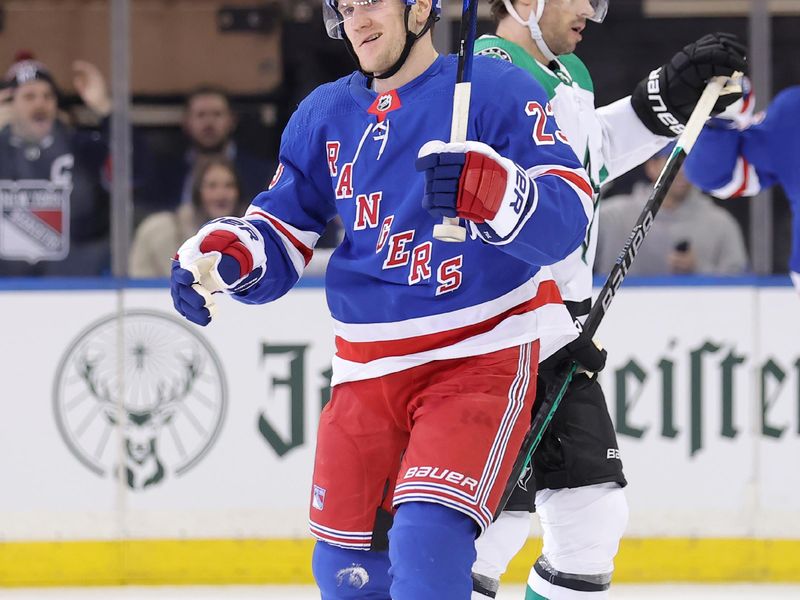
600	8
335	18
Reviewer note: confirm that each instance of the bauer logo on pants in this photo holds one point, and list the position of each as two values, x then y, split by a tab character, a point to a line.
169	412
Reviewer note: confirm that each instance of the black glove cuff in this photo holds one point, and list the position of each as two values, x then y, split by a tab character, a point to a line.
650	105
581	350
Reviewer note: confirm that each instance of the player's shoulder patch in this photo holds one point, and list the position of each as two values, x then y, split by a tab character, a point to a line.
496	52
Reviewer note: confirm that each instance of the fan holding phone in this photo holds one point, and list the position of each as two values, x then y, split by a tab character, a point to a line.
692	235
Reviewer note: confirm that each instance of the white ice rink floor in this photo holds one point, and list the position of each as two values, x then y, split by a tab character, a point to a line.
510	592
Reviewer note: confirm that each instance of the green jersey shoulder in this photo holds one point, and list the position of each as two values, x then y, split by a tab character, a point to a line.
570	71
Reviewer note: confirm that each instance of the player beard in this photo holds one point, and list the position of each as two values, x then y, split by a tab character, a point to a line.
378	57
563	44
567	39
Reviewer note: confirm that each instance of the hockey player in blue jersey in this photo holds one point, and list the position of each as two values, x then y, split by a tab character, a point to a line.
437	343
738	154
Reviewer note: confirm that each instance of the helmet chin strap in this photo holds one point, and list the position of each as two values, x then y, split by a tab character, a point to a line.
411	39
533	26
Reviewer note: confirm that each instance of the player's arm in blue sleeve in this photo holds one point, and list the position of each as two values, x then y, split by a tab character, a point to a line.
717	165
291	215
521	187
258	258
729	163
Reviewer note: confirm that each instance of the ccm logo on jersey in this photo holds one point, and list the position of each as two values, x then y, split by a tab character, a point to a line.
443	474
659	107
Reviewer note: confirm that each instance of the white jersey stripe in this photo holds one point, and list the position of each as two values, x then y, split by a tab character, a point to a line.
550	324
395	330
298	256
339	532
744	182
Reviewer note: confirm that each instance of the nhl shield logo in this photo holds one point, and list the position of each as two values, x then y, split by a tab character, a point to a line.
34	220
385	102
148	415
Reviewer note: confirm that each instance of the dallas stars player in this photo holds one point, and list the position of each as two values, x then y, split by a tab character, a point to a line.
577	470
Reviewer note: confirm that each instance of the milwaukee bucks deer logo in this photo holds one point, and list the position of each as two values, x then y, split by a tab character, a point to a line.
140	396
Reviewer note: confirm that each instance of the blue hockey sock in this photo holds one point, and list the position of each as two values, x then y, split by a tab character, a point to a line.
343	574
432	548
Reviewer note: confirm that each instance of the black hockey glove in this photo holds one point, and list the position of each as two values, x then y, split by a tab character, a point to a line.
582	350
666	98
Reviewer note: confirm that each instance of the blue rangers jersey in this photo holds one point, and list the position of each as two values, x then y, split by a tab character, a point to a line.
398	297
729	163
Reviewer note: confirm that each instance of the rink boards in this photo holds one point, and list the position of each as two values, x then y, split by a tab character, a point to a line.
142	449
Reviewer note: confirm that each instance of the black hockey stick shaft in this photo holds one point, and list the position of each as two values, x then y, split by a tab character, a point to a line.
466	42
545	412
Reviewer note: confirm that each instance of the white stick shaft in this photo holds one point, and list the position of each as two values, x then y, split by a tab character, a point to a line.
450	229
458	126
702	111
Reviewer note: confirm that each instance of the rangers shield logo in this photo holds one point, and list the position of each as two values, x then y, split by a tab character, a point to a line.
318	499
34	220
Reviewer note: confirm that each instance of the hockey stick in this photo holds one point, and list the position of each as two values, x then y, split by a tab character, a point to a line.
600	307
449	229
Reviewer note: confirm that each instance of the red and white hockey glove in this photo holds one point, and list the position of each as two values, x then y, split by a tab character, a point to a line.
472	181
741	114
226	255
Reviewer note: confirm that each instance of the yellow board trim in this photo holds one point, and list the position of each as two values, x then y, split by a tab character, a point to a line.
206	562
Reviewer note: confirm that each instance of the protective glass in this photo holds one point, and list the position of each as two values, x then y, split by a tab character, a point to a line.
337	12
600	10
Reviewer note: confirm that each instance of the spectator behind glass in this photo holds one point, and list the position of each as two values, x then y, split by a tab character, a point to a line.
208	128
54	202
690	234
215	192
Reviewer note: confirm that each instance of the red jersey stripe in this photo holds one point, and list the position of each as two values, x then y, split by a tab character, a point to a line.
745	179
301	247
573	178
364	352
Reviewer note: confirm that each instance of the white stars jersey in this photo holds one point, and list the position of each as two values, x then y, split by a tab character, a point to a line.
609	141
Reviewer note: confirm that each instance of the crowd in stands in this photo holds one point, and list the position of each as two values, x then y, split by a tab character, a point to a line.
215	191
55	190
690	234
